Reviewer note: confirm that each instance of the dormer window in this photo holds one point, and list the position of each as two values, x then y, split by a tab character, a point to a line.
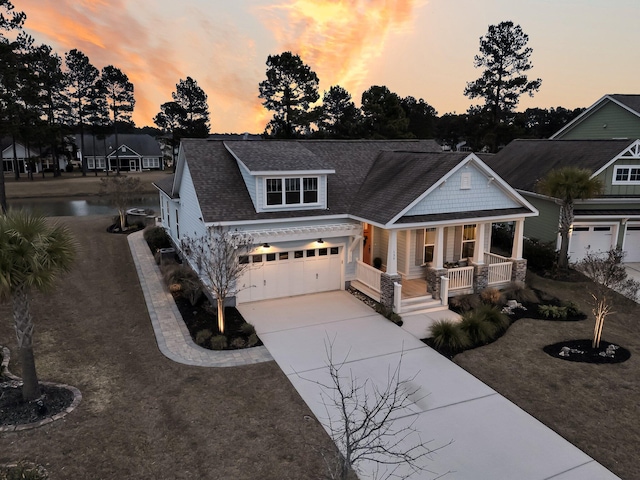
296	191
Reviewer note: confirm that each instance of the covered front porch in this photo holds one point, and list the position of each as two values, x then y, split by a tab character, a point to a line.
420	268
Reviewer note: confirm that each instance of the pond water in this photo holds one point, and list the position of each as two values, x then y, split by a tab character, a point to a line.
79	206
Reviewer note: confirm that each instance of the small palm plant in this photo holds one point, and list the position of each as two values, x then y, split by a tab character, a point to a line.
33	251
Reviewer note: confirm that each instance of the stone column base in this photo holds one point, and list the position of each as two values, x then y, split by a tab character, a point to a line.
386	289
480	277
519	271
433	281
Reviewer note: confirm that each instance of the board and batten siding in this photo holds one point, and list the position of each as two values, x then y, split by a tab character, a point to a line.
609	121
607	178
545	226
450	197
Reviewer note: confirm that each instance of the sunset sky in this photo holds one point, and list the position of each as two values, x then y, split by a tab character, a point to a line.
582	49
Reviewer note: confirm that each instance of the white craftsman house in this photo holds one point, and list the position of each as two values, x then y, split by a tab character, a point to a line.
323	214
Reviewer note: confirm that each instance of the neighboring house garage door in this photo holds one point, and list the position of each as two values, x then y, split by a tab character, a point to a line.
297	272
592	238
632	244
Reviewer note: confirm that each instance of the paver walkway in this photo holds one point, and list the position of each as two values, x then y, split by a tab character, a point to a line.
171	333
492	438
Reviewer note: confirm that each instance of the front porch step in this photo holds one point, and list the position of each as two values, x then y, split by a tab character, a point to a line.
424	304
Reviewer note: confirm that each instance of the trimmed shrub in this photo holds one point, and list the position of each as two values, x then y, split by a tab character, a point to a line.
464	303
495	317
23	471
520	293
218	342
491	296
479	331
156	238
238	342
572	309
203	336
553	312
448	336
252	340
540	256
395	318
247	329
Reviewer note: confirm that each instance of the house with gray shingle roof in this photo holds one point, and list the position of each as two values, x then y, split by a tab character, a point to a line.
133	152
610	220
324	214
612	116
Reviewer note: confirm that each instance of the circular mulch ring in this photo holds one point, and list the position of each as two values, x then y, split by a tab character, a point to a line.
581	351
56	402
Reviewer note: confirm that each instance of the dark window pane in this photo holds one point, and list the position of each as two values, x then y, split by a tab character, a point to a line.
428	253
335	250
298	254
311	253
322	252
257	258
243	259
284	255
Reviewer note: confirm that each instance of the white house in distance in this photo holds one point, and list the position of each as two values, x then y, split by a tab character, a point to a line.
133	152
322	213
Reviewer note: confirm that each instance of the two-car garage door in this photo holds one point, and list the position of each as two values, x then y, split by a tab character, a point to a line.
632	243
295	272
590	238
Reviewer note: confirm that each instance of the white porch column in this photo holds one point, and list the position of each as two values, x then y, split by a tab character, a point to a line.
438	254
392	253
478	253
518	237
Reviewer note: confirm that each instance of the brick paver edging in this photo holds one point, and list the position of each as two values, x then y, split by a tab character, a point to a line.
174	340
77	398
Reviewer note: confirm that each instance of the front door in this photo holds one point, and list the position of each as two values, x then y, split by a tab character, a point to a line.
367	232
132	165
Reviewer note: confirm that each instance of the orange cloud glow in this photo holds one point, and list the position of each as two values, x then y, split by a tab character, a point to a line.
339	39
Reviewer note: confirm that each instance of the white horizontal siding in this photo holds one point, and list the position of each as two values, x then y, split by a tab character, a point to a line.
250	182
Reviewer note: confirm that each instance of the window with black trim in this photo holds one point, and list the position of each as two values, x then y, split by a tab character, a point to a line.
296	191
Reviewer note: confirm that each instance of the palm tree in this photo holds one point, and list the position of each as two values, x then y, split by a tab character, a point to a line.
568	184
32	254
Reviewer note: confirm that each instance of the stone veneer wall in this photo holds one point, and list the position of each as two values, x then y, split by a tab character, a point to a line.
480	277
433	281
386	289
519	271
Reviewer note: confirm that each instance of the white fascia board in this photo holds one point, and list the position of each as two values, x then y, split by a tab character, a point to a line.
370	222
600	200
580	218
461	221
540	196
581	117
615	159
179	170
280	173
231	223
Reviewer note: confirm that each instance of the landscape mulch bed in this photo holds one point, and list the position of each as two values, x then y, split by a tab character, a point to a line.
583	352
203	316
14	411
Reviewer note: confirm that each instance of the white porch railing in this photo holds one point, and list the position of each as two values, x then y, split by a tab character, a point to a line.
460	277
368	275
499	270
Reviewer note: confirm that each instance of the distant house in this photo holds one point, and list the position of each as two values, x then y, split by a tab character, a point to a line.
28	158
610	220
134	152
323	213
613	116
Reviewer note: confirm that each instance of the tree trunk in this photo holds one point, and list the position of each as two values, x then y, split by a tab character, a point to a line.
3	191
220	302
24	333
566	219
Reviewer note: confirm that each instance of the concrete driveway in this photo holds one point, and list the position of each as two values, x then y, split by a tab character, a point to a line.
491	437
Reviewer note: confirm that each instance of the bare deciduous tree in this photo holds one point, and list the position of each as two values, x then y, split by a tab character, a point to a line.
360	420
218	257
121	191
608	273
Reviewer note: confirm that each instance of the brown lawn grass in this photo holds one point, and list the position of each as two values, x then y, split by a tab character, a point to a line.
72	184
595	407
142	415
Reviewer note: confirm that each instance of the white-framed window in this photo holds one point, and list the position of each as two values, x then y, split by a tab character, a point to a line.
468	241
150	163
626	174
291	191
93	162
429	244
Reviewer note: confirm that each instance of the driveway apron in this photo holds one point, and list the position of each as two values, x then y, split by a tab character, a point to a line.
486	436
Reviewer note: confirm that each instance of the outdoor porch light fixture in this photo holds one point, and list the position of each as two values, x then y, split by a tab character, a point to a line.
320	240
265	245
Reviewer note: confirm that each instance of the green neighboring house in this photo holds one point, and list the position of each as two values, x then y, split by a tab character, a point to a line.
613	116
612	219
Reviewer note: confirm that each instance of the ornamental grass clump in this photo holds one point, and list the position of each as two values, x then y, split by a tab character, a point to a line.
495	317
449	337
479	330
